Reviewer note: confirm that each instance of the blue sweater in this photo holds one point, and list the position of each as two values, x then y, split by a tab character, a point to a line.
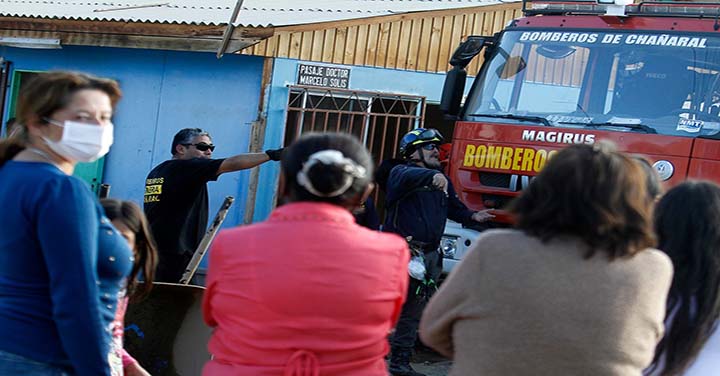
62	265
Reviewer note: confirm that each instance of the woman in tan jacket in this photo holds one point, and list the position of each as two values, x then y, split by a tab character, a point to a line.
574	290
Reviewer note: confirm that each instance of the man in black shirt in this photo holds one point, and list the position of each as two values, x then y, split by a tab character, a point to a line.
176	198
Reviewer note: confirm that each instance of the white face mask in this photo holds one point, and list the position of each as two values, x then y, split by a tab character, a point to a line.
82	142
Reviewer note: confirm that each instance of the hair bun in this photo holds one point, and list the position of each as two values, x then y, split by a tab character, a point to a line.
331	158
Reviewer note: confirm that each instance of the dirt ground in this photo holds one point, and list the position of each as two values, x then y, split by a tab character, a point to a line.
430	363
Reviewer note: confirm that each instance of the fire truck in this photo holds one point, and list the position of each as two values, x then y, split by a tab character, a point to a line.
644	76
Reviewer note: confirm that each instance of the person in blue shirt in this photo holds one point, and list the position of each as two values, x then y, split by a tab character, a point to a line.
419	200
62	263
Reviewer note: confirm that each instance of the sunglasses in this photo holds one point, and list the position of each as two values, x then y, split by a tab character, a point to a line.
202	146
429	147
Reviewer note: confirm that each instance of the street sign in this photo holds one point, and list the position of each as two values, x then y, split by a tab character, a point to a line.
324	76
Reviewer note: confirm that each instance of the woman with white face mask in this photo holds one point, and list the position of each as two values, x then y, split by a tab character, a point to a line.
62	264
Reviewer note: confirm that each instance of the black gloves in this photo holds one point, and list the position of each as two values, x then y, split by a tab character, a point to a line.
275	154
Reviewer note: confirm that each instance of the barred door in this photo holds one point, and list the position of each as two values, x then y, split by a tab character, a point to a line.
378	120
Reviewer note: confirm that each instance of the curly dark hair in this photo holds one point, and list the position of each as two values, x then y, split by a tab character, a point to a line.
594	193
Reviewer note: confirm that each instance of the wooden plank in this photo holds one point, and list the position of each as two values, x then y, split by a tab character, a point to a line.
508	15
567	71
435	37
257	141
284	44
259	49
414	47
424	44
572	67
306	45
340	44
372	45
488	22
467	28
138	28
295	41
557	74
350	45
272	46
455	39
541	70
613	73
404	42
318	44
476	28
328	46
133	41
393	45
131	34
361	45
252	32
382	46
580	65
499	21
445	42
531	69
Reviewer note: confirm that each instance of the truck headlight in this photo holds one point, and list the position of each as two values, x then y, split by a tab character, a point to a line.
448	246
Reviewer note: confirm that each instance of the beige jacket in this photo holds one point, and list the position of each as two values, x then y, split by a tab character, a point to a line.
517	306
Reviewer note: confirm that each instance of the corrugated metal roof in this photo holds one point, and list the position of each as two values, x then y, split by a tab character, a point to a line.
254	13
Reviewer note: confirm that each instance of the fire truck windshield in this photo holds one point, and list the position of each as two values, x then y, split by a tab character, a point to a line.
624	80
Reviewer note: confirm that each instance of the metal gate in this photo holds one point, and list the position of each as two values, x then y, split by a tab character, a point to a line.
376	119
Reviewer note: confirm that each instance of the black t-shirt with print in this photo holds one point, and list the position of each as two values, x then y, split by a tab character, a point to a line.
176	203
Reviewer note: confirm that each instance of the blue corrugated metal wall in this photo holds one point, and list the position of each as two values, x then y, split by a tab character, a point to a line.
165	91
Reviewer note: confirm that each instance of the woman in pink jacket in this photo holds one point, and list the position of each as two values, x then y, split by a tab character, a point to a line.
307	292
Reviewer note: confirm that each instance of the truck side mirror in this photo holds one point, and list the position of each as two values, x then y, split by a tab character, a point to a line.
455	80
453	91
467	50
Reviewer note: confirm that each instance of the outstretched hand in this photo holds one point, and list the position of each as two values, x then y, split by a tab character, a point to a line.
275	154
482	216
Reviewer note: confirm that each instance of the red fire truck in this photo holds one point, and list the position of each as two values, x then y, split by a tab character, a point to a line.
644	76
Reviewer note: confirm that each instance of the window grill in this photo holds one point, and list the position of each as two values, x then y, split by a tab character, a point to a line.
378	120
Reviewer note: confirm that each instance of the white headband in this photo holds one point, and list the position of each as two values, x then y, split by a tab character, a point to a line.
330	157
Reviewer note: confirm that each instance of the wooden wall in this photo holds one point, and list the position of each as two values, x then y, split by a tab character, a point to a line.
421	41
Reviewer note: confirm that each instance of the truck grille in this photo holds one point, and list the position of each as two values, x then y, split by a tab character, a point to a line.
495	180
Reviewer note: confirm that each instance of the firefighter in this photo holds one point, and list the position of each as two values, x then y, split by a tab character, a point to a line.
420	198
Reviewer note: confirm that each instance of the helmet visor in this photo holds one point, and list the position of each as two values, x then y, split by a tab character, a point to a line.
428	135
